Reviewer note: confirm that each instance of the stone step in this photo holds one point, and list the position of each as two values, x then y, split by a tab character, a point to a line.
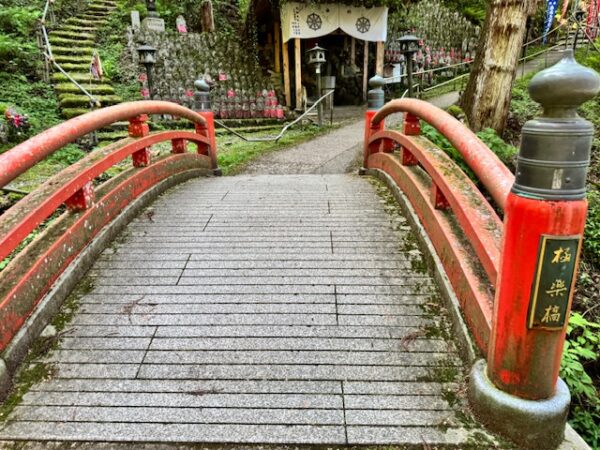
84	23
111	136
68	59
119	126
61	41
75	68
73	50
76	29
95	15
69	113
100	7
70	88
72	34
103	4
79	77
80	100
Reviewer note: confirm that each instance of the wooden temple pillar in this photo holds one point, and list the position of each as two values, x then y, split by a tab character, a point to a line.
298	72
379	58
277	45
365	70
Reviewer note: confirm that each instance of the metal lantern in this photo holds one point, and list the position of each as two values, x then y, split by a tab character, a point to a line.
409	45
146	55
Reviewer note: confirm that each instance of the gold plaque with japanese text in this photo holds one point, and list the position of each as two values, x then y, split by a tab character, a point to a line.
553	281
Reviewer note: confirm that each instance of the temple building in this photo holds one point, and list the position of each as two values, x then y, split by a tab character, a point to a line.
354	37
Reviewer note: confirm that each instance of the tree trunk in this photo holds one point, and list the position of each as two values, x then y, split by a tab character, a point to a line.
487	96
208	21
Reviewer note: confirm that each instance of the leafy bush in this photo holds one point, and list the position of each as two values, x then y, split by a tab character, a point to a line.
17	55
18	20
36	99
67	155
591	243
582	348
504	151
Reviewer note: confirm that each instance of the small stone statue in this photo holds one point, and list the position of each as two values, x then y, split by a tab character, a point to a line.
181	25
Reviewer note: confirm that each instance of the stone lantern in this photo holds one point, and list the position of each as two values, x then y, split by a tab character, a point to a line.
147	56
409	45
316	58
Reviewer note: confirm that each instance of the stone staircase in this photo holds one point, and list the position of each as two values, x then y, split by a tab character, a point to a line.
73	44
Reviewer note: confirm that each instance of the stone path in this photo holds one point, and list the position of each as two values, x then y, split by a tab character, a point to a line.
264	309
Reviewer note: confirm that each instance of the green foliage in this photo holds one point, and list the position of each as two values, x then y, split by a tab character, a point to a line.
474	10
20	21
504	151
592	228
34	98
17	51
67	155
475	14
438	139
582	348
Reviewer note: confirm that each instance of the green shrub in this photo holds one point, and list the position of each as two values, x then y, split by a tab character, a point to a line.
18	20
504	151
581	349
17	55
67	155
591	243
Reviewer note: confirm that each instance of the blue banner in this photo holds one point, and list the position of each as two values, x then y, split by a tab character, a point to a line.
551	7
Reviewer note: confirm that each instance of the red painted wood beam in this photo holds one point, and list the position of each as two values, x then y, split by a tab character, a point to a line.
494	175
24	282
476	298
27	214
25	155
480	223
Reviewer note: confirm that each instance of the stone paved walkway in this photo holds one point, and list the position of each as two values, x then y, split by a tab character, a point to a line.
265	309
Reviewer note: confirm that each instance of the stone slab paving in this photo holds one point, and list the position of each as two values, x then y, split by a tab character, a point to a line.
264	309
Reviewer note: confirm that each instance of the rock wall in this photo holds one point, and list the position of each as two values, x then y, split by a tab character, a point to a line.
182	58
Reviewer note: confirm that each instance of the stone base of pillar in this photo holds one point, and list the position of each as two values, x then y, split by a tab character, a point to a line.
535	424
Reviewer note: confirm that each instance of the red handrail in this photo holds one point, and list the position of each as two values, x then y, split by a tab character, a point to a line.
22	218
25	155
477	218
494	175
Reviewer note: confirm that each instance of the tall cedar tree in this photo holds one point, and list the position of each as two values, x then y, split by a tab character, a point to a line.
487	96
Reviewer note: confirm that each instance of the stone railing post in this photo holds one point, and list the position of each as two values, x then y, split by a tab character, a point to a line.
376	100
518	393
203	107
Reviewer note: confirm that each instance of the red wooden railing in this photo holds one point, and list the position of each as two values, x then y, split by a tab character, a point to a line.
34	268
468	241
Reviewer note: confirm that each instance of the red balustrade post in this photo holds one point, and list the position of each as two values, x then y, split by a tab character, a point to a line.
178	146
376	101
518	392
438	199
138	127
82	199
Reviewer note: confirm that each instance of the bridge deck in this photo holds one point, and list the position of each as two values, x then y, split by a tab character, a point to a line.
272	309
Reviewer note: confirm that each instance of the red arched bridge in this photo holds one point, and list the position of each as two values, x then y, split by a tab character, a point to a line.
300	309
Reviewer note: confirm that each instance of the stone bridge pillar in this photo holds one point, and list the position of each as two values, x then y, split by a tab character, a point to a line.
518	392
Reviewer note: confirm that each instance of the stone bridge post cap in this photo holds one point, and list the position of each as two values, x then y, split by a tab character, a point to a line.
376	82
202	85
564	86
